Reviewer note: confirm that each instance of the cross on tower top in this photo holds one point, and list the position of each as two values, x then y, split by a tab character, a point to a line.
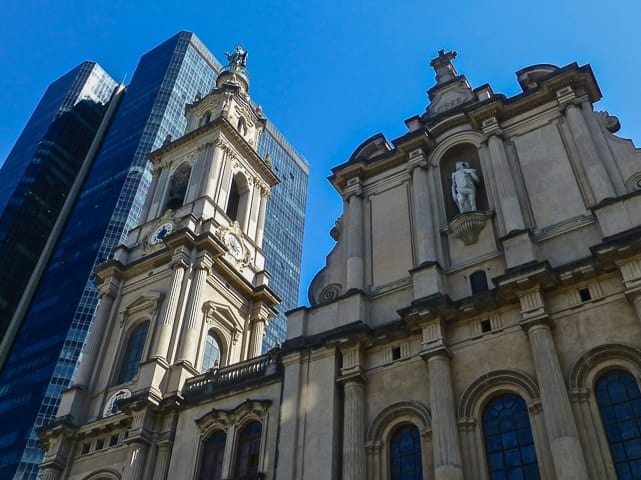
443	67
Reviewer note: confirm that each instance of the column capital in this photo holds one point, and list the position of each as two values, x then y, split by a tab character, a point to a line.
437	351
353	376
416	159
109	288
491	127
204	262
353	188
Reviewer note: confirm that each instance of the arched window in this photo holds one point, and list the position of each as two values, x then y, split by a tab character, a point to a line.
619	400
237	201
242	126
178	186
212	460
234	201
211	356
478	282
405	454
248	451
508	439
204	120
133	353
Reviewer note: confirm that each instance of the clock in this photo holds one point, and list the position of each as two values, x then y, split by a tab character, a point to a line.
234	245
160	233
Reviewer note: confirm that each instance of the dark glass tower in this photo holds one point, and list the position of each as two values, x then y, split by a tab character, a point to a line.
284	227
44	355
38	174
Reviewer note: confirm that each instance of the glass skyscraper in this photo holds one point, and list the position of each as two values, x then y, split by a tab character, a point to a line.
37	176
44	355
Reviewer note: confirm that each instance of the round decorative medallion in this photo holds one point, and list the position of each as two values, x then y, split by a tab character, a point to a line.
111	407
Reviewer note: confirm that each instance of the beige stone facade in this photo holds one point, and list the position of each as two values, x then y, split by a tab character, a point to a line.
423	318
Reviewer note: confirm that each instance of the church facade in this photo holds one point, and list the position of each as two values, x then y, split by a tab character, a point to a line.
479	317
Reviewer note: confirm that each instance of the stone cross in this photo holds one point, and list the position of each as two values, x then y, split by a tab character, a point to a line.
443	67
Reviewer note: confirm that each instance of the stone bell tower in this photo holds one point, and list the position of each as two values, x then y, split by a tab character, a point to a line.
188	292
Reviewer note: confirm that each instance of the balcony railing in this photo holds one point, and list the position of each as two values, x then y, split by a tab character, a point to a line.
238	374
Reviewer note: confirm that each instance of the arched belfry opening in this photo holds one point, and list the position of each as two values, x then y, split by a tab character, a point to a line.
237	202
462	156
178	187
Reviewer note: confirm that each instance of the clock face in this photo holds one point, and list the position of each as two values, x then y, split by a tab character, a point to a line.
161	232
234	245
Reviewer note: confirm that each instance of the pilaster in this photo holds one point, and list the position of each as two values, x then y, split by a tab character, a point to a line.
595	171
165	326
567	454
448	463
424	226
355	263
353	380
193	315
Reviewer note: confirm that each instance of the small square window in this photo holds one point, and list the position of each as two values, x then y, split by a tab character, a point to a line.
396	353
585	295
486	326
85	448
113	440
100	443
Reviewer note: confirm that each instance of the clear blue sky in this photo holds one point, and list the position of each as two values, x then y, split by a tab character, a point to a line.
329	74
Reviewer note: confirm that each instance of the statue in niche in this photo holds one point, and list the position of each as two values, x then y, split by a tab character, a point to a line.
464	180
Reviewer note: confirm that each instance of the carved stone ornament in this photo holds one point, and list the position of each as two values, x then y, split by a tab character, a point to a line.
111	407
232	237
468	226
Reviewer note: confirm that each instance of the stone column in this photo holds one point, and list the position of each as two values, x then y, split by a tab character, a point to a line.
445	440
210	172
506	192
355	265
166	323
162	462
136	456
50	473
193	315
159	193
260	224
594	168
354	429
150	194
423	221
258	329
567	454
96	337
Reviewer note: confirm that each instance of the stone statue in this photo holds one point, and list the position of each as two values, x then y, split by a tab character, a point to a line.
237	59
464	180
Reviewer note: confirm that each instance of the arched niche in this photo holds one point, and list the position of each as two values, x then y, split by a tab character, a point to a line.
178	184
238	200
461	152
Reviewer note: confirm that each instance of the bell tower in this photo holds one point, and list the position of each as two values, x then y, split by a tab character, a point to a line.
188	292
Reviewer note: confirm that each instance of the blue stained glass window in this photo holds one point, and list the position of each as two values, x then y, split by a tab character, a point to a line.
619	400
213	452
211	356
508	440
133	353
405	454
